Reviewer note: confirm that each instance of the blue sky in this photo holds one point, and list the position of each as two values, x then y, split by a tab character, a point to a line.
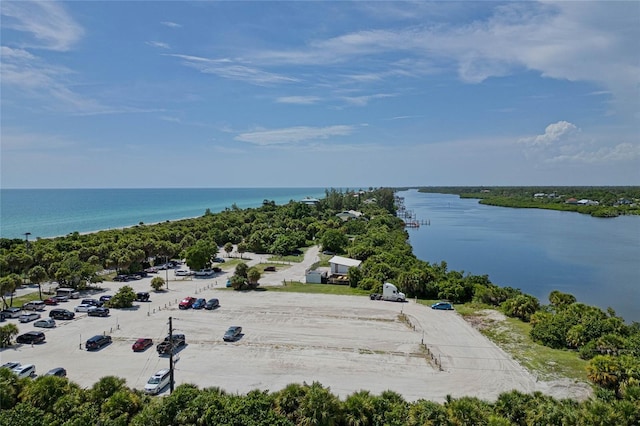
319	94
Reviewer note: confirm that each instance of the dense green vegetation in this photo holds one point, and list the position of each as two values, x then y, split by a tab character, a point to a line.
57	401
611	201
379	240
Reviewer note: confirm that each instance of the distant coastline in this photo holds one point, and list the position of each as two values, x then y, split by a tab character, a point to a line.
48	213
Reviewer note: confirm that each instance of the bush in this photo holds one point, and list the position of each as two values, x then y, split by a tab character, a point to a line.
123	298
7	333
157	283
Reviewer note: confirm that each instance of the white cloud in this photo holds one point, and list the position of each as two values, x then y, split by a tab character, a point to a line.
48	22
293	134
553	133
228	68
299	100
364	100
158	44
170	24
563	142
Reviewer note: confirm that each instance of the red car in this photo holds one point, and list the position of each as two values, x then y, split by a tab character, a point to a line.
142	344
51	301
187	302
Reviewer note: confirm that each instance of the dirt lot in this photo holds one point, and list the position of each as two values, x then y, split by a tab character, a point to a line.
345	342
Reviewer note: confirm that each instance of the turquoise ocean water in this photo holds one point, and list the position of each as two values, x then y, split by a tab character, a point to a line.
55	212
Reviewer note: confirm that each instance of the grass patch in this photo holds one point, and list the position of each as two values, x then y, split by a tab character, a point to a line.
298	287
296	258
513	336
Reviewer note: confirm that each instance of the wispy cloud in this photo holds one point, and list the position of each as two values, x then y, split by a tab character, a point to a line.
231	69
299	100
293	134
48	22
170	24
364	100
158	44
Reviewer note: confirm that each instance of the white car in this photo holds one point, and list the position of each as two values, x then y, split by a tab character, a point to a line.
26	370
158	381
182	272
83	307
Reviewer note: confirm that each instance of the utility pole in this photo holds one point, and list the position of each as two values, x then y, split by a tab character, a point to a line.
171	357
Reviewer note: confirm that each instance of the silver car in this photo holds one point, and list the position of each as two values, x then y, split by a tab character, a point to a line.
45	323
29	317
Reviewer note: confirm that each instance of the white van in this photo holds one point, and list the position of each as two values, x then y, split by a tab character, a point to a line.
68	293
158	381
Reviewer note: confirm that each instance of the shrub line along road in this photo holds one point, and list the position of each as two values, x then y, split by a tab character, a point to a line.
348	343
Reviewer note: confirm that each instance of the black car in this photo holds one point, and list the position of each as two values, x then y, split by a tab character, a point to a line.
171	343
232	334
61	314
98	312
142	296
31	337
121	278
96	342
105	298
212	304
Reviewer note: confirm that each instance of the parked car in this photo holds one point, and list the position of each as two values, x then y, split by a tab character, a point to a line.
52	301
171	343
187	302
121	278
61	314
10	365
232	334
182	272
141	344
34	305
204	273
105	298
445	306
27	370
83	308
199	304
92	302
212	304
142	296
31	337
97	342
32	316
98	312
152	270
1	316
58	372
158	381
45	323
218	260
12	312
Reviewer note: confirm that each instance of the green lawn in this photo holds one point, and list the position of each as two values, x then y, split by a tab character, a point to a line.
298	287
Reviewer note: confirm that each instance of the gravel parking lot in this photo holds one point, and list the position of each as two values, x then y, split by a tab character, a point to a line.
348	343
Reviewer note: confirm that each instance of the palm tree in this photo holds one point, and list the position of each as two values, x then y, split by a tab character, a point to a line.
37	275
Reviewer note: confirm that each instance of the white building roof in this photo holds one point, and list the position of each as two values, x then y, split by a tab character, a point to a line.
345	261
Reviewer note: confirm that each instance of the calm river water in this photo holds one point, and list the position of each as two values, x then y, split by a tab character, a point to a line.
537	251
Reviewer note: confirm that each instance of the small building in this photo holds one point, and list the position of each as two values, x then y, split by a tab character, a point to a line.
310	201
316	276
340	265
571	201
586	202
349	214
